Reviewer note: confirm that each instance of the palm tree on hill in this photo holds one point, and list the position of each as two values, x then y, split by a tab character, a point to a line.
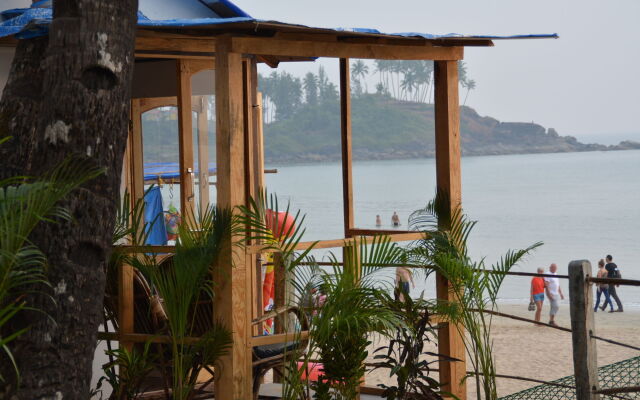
470	85
310	84
359	70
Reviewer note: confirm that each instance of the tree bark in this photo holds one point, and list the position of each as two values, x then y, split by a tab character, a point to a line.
69	94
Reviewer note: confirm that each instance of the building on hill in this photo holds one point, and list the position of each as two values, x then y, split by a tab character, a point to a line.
187	50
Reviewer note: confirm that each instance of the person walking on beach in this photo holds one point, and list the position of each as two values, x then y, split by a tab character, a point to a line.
613	272
378	221
554	293
404	276
395	219
537	293
603	288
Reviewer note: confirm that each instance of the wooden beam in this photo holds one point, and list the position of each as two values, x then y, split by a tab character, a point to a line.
585	360
231	303
447	125
346	144
279	338
336	243
136	153
203	153
185	139
257	182
125	302
377	232
310	48
196	66
171	43
150	103
174	55
128	249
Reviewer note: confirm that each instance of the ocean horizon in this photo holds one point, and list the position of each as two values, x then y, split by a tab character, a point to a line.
581	205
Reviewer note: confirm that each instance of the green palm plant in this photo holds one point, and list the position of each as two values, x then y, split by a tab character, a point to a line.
474	285
126	371
356	291
24	203
185	283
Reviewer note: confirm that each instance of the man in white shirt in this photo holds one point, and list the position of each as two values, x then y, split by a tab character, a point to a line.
554	293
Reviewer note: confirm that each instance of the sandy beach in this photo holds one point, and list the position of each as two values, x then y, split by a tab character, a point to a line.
523	349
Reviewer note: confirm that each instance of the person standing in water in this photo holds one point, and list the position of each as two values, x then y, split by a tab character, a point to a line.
537	293
378	221
395	219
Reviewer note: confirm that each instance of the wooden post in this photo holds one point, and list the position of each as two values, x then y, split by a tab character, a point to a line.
259	169
203	153
347	159
185	142
232	300
136	153
585	362
447	125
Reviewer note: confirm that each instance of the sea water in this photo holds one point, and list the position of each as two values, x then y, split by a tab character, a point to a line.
581	205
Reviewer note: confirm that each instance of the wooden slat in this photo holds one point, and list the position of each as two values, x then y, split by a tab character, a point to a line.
231	304
203	153
172	43
126	249
147	104
185	139
309	48
373	232
259	170
346	145
335	243
196	66
279	338
136	153
174	55
447	125
143	337
125	302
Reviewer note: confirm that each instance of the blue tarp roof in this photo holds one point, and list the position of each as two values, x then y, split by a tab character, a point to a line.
169	170
31	22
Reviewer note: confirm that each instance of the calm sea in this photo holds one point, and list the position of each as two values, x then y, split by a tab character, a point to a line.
581	205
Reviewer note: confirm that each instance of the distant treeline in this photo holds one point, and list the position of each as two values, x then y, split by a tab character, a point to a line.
412	81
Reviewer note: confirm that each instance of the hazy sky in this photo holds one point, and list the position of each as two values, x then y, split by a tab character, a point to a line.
584	84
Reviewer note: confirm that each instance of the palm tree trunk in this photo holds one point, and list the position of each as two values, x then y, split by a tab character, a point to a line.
65	97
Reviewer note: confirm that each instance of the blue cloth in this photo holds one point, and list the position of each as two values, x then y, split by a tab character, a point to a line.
538	297
154	218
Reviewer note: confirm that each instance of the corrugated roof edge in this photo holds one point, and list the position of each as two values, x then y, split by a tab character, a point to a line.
34	22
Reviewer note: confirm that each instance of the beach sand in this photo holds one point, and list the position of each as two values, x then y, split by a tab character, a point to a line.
522	349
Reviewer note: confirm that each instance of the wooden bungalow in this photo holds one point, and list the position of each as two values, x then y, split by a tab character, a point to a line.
189	49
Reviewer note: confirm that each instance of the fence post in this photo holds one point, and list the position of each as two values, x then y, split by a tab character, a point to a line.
585	362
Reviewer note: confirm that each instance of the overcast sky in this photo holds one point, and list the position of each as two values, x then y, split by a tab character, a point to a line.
584	84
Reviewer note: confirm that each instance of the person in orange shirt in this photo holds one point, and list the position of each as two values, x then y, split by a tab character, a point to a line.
537	292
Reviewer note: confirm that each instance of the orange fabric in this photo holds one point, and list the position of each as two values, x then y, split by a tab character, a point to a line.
538	285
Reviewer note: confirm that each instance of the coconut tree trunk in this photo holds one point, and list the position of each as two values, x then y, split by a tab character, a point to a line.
69	94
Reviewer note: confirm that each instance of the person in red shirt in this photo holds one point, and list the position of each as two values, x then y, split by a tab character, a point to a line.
537	292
